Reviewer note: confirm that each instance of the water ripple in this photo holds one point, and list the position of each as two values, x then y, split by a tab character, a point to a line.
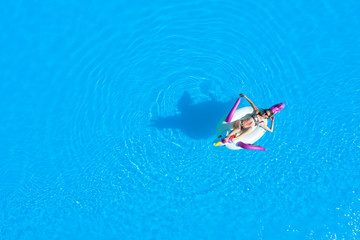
132	91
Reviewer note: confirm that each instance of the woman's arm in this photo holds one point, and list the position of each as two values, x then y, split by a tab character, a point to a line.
271	129
256	109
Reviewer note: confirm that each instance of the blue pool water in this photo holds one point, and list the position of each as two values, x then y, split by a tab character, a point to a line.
108	113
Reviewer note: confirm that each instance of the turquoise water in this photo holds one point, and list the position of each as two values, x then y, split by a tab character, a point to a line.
108	113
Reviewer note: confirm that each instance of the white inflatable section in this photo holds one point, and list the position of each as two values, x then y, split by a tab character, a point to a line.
224	128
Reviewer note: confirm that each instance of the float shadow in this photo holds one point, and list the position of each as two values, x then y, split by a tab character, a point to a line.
198	121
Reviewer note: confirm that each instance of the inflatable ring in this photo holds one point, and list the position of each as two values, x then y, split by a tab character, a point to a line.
223	129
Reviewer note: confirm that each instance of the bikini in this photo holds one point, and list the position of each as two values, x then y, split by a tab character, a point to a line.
254	117
236	125
256	120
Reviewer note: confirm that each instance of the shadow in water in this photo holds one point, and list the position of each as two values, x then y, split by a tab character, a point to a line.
198	121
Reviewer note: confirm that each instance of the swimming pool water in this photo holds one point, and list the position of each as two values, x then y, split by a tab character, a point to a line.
108	113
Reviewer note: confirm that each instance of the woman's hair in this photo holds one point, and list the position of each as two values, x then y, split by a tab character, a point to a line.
271	112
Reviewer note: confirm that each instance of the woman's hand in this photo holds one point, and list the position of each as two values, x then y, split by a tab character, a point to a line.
242	95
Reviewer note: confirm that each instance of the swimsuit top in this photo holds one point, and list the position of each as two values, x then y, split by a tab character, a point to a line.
256	120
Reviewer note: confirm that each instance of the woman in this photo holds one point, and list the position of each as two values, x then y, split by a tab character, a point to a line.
242	127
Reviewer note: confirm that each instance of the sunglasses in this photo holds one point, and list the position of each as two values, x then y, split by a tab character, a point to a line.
266	113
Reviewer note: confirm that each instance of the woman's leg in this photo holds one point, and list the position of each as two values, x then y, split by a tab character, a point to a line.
233	132
243	132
